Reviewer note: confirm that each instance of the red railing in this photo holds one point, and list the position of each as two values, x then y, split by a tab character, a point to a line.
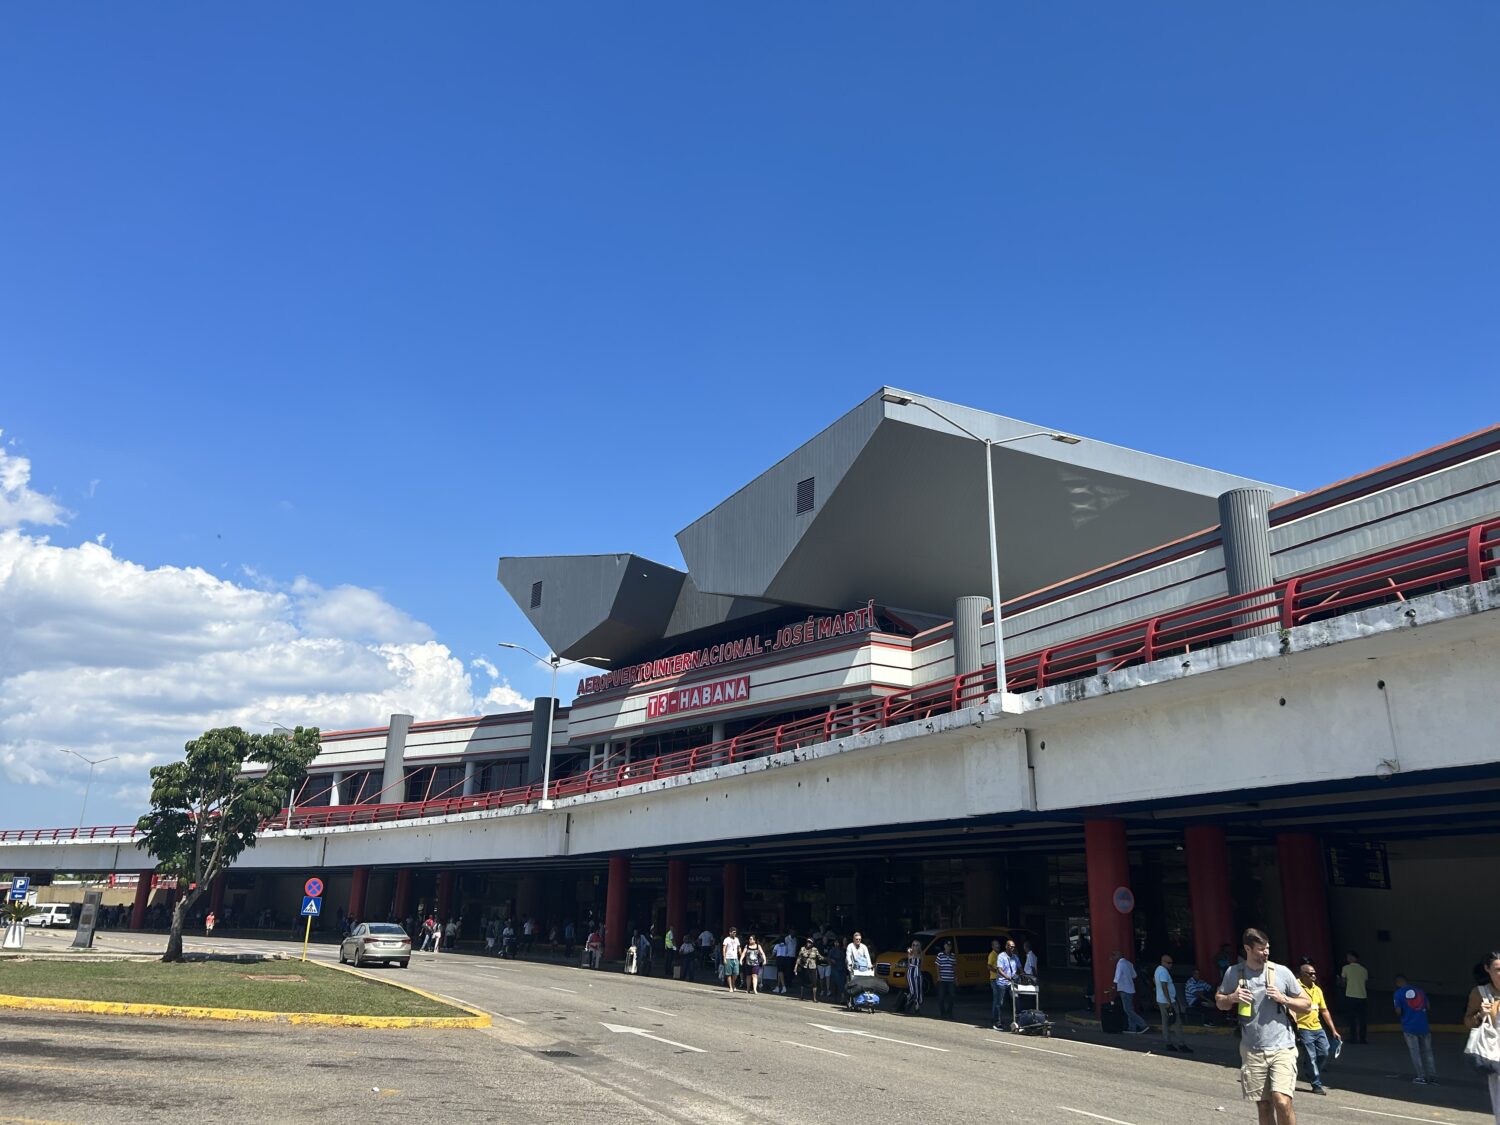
1468	555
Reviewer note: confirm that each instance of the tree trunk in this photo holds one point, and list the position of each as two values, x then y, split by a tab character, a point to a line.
179	918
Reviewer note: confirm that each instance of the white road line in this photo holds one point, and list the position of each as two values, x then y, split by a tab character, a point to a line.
810	1047
513	1020
882	1038
1095	1116
1032	1047
1397	1116
559	988
644	1034
658	1011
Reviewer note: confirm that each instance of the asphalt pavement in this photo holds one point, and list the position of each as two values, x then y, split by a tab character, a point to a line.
569	1045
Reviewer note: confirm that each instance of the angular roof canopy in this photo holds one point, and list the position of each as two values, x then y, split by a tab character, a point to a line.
887	503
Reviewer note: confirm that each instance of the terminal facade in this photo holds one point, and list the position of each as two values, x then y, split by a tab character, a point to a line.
1223	703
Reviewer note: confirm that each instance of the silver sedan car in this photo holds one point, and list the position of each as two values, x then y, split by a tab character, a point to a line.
376	941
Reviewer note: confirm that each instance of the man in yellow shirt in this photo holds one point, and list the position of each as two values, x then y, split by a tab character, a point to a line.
1311	1036
1355	979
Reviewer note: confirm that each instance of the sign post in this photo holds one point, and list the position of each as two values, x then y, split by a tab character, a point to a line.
312	907
88	920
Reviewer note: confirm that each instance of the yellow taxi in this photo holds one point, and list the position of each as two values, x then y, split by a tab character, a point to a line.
970	946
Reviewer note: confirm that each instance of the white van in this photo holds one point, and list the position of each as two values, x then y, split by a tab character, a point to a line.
52	914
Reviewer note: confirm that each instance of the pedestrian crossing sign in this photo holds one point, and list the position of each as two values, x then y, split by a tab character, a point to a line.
311	907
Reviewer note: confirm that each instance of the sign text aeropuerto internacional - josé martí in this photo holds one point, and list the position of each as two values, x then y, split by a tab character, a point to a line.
788	636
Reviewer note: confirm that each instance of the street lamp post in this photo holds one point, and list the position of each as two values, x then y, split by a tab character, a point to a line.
92	762
989	494
554	661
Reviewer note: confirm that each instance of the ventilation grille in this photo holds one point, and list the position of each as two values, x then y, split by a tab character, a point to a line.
805	495
536	595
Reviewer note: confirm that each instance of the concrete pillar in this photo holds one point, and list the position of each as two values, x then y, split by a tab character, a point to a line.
616	905
358	886
444	895
469	777
142	900
393	780
543	710
527	895
968	634
335	789
1110	930
1209	895
401	899
1304	895
216	892
734	895
677	887
1245	527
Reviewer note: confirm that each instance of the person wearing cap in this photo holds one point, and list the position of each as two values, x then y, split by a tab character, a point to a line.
806	967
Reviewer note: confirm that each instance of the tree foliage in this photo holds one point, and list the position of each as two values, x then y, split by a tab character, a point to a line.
206	810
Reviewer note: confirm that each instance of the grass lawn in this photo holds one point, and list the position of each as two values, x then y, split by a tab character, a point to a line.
271	986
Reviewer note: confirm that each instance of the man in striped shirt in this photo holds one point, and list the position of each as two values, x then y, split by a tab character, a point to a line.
947	971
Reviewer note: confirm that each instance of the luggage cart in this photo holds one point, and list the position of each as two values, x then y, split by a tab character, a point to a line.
1035	1021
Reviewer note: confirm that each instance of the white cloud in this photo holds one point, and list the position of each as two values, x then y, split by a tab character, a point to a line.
486	667
19	502
104	656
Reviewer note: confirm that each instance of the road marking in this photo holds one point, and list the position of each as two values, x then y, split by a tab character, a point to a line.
1397	1116
658	1011
514	1020
810	1047
644	1034
1032	1047
1095	1116
884	1038
559	988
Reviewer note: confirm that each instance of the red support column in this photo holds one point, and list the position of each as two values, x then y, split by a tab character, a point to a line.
142	900
357	888
734	894
616	905
444	895
1209	896
677	876
216	892
1305	899
1108	861
401	906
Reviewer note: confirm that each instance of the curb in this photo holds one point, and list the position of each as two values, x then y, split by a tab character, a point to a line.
475	1018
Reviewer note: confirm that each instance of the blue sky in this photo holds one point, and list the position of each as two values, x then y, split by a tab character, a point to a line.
339	303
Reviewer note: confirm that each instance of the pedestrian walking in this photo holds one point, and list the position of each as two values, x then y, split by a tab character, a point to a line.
992	962
947	971
1166	1004
1315	1027
808	965
687	951
1028	962
1267	998
1125	990
1354	980
786	957
1411	1006
1484	1005
729	957
752	960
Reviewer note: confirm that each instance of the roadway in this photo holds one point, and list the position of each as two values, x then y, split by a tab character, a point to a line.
568	1043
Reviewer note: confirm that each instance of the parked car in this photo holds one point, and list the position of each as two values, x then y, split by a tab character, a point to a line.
376	941
52	914
970	946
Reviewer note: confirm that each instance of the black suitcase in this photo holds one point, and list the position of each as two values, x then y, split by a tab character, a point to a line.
1112	1018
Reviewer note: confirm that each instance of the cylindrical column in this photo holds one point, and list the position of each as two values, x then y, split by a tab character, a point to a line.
968	634
1209	895
616	904
216	892
142	900
444	895
677	885
469	778
734	894
1245	528
1305	900
1111	930
357	888
335	788
401	901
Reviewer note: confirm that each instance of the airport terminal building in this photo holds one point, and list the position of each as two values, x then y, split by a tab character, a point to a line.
1223	703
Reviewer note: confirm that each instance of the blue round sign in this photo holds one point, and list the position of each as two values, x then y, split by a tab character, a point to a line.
1124	900
313	887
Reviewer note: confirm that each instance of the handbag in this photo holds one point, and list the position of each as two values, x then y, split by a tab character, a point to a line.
1483	1047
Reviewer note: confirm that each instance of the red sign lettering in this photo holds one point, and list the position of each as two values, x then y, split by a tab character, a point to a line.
697	696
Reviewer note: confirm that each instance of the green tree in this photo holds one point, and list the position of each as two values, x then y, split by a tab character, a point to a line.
206	810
